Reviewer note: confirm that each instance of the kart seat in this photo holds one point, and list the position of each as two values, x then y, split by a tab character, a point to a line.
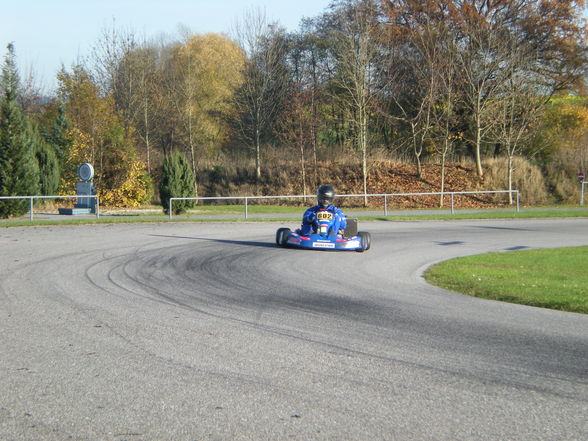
351	229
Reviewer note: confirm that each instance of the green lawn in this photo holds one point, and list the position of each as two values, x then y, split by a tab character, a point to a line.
552	278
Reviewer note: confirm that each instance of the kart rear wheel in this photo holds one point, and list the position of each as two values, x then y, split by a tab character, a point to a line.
282	236
365	241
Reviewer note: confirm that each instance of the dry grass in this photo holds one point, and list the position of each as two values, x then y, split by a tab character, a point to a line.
562	175
527	178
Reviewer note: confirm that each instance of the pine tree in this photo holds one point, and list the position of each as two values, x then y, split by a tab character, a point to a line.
48	162
177	181
19	175
58	136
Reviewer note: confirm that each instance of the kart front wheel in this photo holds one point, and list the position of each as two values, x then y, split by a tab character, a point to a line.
365	241
282	236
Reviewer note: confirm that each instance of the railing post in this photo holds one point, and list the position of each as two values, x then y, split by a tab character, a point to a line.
385	205
97	207
518	201
31	209
245	207
170	208
582	193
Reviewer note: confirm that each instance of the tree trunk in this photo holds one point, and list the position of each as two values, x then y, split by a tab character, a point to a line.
147	146
417	150
510	173
363	141
192	153
257	155
443	175
302	162
313	138
479	170
478	146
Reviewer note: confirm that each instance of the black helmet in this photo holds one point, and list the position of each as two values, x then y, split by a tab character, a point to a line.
325	195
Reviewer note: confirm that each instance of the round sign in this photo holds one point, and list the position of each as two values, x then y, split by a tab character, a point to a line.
580	176
86	171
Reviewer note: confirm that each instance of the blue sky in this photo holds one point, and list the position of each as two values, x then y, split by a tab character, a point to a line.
49	33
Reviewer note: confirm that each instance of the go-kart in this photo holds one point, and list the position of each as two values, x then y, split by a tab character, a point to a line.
320	239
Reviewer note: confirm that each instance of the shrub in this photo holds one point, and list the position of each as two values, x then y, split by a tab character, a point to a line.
134	190
177	181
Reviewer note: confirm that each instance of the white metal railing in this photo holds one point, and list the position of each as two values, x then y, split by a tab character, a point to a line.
246	199
32	198
582	192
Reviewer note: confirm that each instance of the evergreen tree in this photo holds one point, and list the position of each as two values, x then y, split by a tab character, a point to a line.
19	175
48	163
58	136
177	181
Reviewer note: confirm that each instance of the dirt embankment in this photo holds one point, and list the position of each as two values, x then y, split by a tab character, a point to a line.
383	177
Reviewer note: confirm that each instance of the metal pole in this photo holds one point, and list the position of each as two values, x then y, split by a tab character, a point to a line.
170	208
385	205
97	207
31	209
518	201
582	194
245	207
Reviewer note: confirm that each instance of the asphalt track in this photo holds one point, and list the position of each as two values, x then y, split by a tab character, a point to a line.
182	331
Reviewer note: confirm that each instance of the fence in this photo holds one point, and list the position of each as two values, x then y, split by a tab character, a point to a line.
582	193
386	196
32	198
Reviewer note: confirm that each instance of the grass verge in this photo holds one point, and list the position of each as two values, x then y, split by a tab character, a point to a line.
547	278
269	213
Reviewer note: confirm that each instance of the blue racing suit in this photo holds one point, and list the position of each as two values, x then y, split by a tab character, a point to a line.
310	221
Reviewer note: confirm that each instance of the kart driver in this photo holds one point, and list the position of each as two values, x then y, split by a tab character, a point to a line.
325	196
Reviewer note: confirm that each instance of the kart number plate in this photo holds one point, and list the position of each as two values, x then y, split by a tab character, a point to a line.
323	245
324	215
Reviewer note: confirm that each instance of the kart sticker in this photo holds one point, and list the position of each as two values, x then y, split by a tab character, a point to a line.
324	215
323	245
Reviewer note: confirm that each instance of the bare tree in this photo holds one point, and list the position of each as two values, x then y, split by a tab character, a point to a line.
32	94
447	99
265	80
517	108
494	36
413	84
157	121
312	69
182	94
355	26
481	62
140	67
112	47
294	128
